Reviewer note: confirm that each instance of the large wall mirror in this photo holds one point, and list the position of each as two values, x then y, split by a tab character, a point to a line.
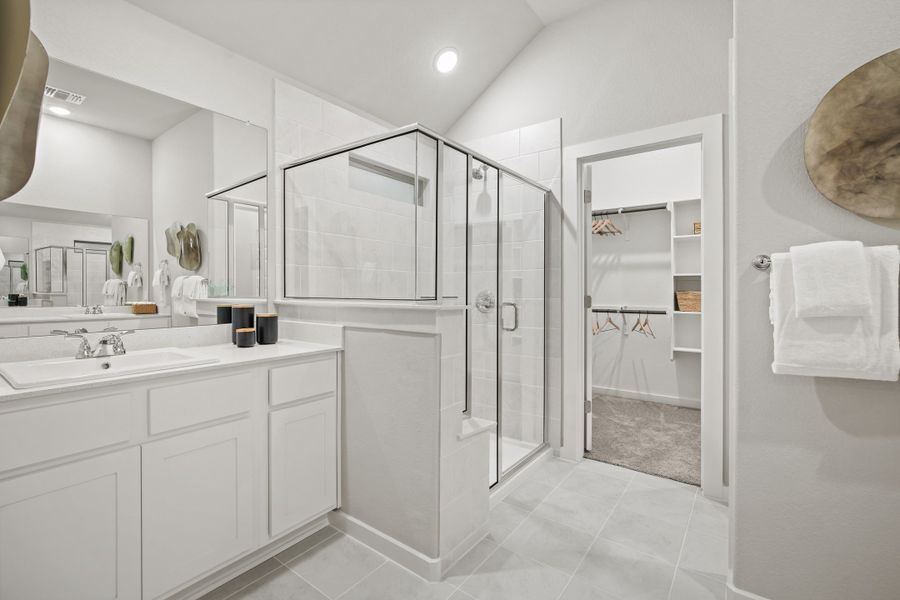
134	197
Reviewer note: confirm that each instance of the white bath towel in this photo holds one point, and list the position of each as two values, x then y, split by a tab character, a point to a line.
177	294
864	347
113	292
194	288
160	283
831	280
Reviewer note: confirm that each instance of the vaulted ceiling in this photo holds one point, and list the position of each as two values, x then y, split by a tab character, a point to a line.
376	55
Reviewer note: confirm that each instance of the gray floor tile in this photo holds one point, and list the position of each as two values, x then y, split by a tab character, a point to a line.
528	494
508	576
473	559
577	511
336	564
662	482
581	589
280	584
306	543
603	468
461	595
690	586
705	554
243	580
502	519
550	543
626	573
709	517
669	504
605	488
393	581
550	471
645	533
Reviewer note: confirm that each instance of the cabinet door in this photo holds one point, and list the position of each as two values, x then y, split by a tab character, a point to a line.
73	531
198	512
303	463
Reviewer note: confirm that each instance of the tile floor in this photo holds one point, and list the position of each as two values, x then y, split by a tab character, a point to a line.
586	532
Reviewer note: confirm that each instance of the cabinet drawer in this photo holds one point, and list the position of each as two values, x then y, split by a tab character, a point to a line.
313	377
39	434
185	404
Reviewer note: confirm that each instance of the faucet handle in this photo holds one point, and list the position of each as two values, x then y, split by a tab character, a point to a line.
62	332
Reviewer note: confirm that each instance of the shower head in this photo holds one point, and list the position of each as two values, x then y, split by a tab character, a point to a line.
478	172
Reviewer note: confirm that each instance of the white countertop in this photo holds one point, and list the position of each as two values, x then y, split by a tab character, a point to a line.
229	357
69	317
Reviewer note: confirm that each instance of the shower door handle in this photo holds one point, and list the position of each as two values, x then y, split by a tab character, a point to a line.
515	308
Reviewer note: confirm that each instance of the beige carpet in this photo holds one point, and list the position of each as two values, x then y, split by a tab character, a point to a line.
649	437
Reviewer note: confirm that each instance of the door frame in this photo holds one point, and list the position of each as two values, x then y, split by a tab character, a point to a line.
709	132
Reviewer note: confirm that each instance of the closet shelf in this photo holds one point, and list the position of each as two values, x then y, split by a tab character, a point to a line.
687	312
687	274
689	236
687	350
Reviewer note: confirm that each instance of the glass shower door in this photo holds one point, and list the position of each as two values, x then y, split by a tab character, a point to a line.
521	313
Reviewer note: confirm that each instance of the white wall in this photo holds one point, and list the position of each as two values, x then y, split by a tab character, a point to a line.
816	489
622	66
239	150
139	229
90	169
182	175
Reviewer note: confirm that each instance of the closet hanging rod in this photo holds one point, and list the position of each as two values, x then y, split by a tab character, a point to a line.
629	311
623	210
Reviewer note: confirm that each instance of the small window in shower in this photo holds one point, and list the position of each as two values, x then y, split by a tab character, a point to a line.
361	224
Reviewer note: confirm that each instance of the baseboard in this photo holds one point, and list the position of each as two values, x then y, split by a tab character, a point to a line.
649	397
463	548
735	593
207	584
424	566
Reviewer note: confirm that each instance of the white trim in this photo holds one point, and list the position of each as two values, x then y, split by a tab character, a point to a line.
647	396
424	566
239	567
710	133
735	593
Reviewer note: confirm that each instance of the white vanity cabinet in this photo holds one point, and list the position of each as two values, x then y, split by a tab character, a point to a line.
156	487
197	503
73	531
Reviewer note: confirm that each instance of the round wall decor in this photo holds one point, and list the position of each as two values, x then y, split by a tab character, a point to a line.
852	148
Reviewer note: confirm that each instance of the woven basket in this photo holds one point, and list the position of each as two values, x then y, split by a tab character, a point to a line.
145	308
687	301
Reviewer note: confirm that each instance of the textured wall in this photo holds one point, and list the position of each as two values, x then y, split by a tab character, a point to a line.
816	488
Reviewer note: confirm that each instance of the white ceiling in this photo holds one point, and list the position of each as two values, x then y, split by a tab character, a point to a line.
375	54
115	105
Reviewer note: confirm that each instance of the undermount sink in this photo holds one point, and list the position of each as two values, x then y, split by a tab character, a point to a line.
34	373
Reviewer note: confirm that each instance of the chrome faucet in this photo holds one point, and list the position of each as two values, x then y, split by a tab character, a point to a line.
94	309
110	344
84	348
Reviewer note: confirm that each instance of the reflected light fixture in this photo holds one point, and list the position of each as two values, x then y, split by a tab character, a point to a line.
59	111
446	60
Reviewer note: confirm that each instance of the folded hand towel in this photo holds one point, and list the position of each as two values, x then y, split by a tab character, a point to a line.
831	279
177	294
863	347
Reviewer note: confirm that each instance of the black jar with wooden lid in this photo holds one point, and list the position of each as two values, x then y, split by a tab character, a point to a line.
245	337
266	328
241	318
223	314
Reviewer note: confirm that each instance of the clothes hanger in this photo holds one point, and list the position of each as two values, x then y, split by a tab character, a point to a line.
637	325
595	326
609	322
646	326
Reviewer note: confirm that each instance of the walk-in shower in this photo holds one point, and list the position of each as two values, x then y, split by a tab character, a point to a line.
411	217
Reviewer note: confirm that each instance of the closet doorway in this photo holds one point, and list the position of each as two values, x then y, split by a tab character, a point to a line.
652	233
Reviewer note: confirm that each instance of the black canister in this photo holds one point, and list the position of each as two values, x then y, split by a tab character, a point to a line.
12	299
22	301
245	337
266	328
241	317
223	314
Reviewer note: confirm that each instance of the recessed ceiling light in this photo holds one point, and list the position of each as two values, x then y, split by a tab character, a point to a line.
446	60
60	111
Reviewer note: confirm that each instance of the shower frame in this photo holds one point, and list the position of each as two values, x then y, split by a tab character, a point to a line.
442	143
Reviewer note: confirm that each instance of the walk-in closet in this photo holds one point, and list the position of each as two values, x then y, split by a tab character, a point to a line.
645	281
